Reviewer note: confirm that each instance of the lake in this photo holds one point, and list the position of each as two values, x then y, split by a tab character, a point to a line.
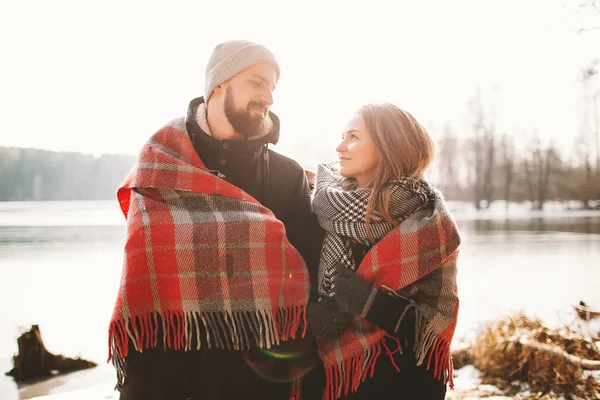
60	264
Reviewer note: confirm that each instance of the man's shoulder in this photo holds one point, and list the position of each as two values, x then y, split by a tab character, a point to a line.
177	123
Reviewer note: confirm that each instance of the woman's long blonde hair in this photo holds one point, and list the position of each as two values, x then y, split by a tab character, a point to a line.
405	148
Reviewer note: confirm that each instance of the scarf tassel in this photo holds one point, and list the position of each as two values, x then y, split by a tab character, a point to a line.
224	330
439	356
434	348
346	377
287	321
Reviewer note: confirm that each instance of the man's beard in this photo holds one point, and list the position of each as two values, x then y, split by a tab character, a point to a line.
241	120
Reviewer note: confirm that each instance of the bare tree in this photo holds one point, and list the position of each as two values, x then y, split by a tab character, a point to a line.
539	166
483	150
583	169
508	155
590	8
449	162
589	11
490	157
591	78
590	134
530	180
477	155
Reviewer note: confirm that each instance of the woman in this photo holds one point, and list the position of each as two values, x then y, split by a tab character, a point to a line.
387	274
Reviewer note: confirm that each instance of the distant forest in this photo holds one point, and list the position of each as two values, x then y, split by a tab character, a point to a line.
31	174
481	169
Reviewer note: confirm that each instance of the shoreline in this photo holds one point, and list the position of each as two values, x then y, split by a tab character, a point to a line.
468	386
98	383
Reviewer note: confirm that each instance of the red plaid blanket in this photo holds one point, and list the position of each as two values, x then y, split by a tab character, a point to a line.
417	259
206	257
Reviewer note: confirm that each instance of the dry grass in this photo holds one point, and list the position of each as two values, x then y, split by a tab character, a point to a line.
508	353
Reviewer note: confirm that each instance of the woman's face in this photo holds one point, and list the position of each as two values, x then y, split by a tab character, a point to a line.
358	154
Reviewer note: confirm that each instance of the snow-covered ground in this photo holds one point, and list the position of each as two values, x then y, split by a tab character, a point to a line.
467	386
498	210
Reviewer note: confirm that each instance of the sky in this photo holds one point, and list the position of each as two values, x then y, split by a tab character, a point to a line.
102	77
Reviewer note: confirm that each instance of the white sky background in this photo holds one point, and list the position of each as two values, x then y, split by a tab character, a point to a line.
101	77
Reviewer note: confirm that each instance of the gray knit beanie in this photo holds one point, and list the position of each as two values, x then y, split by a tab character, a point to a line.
232	57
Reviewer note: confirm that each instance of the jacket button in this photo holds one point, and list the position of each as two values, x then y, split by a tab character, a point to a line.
223	162
225	145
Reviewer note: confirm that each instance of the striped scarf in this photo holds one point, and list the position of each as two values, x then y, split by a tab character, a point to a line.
415	259
342	215
204	256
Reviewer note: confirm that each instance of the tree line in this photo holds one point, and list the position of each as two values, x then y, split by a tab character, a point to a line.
481	168
487	165
31	174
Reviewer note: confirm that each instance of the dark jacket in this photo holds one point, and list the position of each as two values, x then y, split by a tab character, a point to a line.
280	184
276	181
412	382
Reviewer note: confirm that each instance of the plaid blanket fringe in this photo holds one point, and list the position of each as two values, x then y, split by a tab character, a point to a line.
435	348
344	378
431	349
184	223
417	259
223	330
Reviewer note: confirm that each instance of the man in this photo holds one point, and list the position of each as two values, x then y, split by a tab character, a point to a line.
212	291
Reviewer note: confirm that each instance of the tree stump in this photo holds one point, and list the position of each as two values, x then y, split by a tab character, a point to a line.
586	313
34	361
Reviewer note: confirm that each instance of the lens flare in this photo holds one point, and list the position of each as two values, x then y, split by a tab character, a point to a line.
286	362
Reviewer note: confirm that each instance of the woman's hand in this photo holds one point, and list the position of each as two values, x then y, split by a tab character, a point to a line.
326	319
384	308
352	293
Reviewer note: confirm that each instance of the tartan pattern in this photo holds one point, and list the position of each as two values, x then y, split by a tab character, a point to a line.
416	259
204	255
343	214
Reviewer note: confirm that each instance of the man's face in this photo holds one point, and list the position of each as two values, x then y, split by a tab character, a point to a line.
248	96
